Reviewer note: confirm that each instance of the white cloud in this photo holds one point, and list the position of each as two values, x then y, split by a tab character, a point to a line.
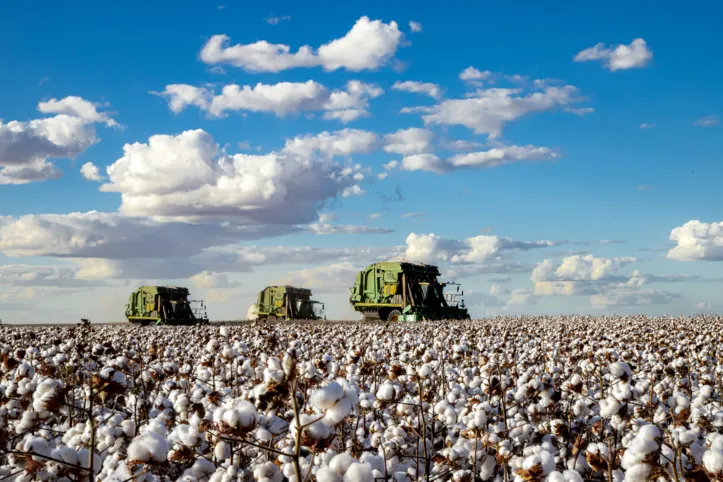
646	125
282	99
77	107
324	279
424	162
415	26
580	111
90	172
181	96
326	228
43	276
408	141
212	280
27	147
601	280
188	177
697	241
581	268
345	115
390	165
277	19
340	143
494	157
368	45
462	145
487	111
412	215
111	235
478	249
628	298
354	190
503	155
432	90
622	57
472	74
707	121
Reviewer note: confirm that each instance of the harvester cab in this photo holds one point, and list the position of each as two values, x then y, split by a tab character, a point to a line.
287	303
396	291
164	305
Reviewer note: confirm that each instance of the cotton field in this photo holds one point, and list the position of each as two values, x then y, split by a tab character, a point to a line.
560	399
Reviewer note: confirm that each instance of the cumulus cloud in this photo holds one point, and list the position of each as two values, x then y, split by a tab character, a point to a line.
473	74
581	268
44	276
621	57
487	111
408	141
212	280
626	298
433	248
111	235
600	279
432	90
188	177
494	157
77	107
27	147
415	26
330	144
281	99
324	279
697	241
90	172
369	44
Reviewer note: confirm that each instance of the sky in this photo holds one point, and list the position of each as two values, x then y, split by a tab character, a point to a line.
552	159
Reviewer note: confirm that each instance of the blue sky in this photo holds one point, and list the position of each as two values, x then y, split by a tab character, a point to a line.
622	146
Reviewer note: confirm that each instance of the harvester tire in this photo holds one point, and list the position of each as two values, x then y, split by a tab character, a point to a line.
393	316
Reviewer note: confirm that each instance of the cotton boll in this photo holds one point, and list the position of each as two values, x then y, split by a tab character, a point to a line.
222	451
147	447
267	472
326	474
338	412
713	457
566	476
609	407
341	462
129	427
386	392
358	472
326	397
620	370
638	473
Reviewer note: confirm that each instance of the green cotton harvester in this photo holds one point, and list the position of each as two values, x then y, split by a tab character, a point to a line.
164	305
287	303
400	291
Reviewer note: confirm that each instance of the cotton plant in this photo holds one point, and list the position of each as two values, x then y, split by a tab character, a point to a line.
491	400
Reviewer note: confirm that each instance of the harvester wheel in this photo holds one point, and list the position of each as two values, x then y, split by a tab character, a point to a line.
394	315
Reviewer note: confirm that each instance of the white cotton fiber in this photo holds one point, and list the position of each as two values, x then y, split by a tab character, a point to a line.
222	451
359	473
147	447
326	397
